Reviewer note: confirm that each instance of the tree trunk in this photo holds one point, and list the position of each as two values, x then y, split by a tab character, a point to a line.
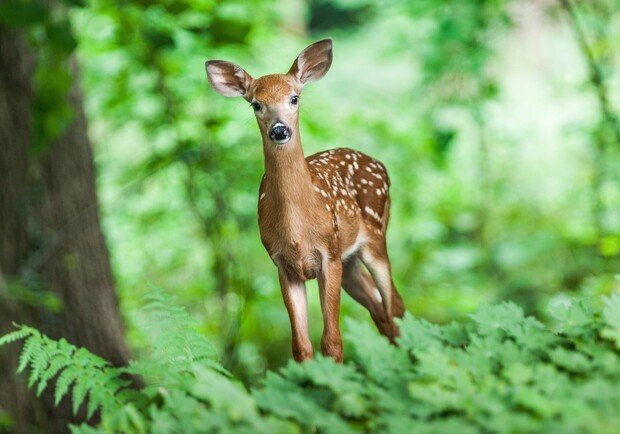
50	239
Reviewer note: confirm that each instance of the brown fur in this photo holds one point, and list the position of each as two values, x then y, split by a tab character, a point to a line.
321	217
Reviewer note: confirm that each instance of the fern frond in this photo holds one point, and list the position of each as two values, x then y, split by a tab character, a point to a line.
40	360
85	429
31	345
63	383
57	363
611	318
80	389
172	333
17	335
77	370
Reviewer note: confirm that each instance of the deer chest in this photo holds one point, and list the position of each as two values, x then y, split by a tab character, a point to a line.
296	241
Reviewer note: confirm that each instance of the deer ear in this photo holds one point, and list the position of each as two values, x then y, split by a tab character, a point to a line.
313	63
229	79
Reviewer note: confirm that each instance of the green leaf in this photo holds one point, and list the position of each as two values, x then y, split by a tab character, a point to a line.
225	31
21	333
80	390
17	13
30	348
158	38
505	317
64	381
419	335
288	401
58	362
570	360
61	37
77	3
611	317
574	316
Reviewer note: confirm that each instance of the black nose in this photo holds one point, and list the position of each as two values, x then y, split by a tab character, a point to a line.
279	132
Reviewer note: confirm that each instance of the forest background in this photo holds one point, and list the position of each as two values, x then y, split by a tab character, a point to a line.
120	169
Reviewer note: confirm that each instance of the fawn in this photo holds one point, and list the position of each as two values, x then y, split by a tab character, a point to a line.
324	216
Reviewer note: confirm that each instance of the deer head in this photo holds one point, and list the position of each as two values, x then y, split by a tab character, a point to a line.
274	98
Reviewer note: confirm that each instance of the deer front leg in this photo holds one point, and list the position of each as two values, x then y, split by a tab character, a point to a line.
294	294
329	291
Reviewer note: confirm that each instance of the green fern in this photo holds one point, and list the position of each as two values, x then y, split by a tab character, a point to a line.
16	335
611	317
77	371
172	333
176	349
501	373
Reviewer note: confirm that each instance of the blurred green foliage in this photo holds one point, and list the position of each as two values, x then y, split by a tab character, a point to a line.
503	158
50	32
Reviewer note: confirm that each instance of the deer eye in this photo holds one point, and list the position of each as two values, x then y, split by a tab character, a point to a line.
256	106
294	99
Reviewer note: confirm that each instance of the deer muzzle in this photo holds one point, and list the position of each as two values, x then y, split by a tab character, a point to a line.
279	133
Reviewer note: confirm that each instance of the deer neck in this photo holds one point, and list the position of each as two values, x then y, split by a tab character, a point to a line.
287	176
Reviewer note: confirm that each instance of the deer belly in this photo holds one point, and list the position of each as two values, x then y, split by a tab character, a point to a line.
304	265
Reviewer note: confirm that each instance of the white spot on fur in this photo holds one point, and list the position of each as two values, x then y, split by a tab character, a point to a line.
377	295
359	241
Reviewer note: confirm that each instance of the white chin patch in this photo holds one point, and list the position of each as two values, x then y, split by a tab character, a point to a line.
281	142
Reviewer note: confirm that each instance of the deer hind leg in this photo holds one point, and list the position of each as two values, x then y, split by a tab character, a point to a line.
361	287
375	258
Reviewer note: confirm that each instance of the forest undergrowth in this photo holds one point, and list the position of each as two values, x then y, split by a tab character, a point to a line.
500	372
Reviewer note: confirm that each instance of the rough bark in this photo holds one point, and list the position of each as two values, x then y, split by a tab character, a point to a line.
50	237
